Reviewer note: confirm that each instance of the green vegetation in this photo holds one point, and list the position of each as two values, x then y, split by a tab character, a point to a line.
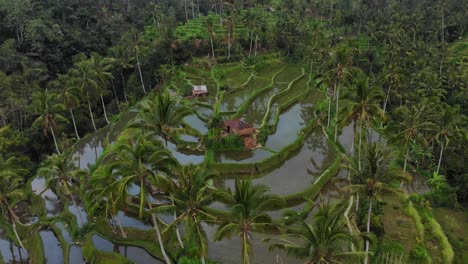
360	102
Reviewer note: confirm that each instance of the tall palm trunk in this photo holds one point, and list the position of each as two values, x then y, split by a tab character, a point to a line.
74	123
440	155
212	46
348	222
179	237
337	109
123	85
13	224
251	43
229	39
55	140
141	75
245	249
369	212
185	7
115	94
91	112
104	108
387	97
119	221
158	235
329	110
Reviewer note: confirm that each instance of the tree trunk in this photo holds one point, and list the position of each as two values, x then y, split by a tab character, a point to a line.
357	202
119	221
229	39
115	94
104	109
440	155
123	85
245	250
251	43
74	123
141	76
329	110
179	237
337	108
212	46
158	235
17	236
387	97
443	26
185	7
256	45
369	212
348	223
55	140
193	9
91	112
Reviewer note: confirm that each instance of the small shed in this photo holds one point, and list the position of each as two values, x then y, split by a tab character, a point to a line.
238	127
199	90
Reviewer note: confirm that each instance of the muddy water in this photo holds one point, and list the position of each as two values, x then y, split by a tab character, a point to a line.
53	253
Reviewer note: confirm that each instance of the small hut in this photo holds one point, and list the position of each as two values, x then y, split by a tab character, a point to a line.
238	127
198	90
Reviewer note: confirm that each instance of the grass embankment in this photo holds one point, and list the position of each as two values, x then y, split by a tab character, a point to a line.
92	255
454	225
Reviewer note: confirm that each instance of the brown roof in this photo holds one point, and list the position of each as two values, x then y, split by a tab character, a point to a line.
237	124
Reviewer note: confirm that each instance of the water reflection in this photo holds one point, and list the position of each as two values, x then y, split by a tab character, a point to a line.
53	253
10	252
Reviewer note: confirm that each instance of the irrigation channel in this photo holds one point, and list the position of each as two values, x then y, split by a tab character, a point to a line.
282	99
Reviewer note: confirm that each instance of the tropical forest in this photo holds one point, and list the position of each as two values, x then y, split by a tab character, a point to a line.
233	131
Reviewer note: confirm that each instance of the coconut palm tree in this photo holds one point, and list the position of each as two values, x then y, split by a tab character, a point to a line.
122	61
101	73
134	160
102	196
324	240
60	170
86	82
209	25
159	113
134	41
361	104
11	192
411	124
248	205
45	104
380	172
448	122
69	95
191	193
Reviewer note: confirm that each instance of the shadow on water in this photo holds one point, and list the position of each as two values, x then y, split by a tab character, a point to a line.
53	253
248	156
10	253
135	254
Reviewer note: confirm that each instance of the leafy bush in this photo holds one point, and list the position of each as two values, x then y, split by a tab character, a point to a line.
419	254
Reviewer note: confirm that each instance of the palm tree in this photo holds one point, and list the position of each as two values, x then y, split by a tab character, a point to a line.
102	75
361	104
60	170
44	104
122	61
70	95
159	113
11	184
191	194
380	173
135	159
248	206
324	240
102	198
133	40
448	122
414	122
86	82
209	25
